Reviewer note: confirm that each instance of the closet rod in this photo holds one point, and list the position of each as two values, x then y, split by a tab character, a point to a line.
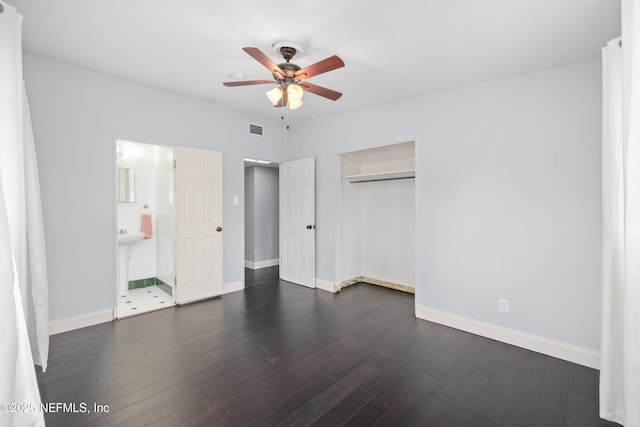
381	179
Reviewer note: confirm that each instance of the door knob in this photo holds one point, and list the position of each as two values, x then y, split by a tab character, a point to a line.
219	229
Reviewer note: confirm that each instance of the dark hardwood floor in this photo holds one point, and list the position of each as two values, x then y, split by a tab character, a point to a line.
282	354
261	276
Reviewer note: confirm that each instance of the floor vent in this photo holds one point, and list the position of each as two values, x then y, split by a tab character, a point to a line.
255	130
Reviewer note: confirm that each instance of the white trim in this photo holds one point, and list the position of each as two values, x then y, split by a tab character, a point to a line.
65	324
325	285
261	264
232	287
548	346
383	145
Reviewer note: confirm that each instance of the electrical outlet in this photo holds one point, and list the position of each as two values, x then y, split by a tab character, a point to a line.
504	306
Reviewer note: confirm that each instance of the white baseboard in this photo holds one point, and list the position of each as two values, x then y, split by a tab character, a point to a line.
59	326
548	346
261	264
325	285
232	287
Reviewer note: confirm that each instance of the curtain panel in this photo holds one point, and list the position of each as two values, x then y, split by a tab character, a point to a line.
620	337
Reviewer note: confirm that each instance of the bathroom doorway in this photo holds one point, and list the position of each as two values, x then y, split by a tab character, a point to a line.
145	215
261	221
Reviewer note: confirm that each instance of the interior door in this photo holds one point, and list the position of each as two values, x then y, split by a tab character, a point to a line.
198	224
297	222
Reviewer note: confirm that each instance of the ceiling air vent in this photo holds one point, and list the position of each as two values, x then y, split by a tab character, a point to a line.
255	129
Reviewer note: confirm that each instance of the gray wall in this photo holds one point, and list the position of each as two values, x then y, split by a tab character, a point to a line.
261	213
507	188
507	196
77	116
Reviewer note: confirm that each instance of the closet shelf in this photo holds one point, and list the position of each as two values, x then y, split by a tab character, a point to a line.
382	176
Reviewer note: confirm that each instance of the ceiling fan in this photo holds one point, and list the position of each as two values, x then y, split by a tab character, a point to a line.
291	78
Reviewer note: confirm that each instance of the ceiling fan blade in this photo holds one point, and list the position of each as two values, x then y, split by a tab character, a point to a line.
257	54
328	64
322	91
248	83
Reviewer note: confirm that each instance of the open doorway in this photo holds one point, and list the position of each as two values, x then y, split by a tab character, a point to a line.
261	222
145	227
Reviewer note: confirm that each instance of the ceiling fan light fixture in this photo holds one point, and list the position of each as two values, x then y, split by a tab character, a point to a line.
274	95
294	91
295	103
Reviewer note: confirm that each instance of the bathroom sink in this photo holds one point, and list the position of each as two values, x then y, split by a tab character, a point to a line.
130	237
124	241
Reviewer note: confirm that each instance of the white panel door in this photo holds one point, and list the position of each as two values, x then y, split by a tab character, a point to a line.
198	224
297	222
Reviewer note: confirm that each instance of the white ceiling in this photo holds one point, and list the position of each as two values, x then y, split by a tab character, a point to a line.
393	50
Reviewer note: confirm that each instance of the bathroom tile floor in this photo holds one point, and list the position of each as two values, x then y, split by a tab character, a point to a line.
142	300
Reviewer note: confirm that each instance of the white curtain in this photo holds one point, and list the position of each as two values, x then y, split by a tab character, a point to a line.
620	341
23	283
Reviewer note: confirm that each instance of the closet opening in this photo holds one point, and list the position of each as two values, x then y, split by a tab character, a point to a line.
376	220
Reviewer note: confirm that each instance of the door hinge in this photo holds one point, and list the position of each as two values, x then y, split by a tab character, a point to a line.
174	163
175	281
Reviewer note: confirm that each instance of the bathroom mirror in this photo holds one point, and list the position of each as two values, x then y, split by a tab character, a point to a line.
126	185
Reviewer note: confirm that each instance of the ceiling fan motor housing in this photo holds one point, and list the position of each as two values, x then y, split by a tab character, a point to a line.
289	69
